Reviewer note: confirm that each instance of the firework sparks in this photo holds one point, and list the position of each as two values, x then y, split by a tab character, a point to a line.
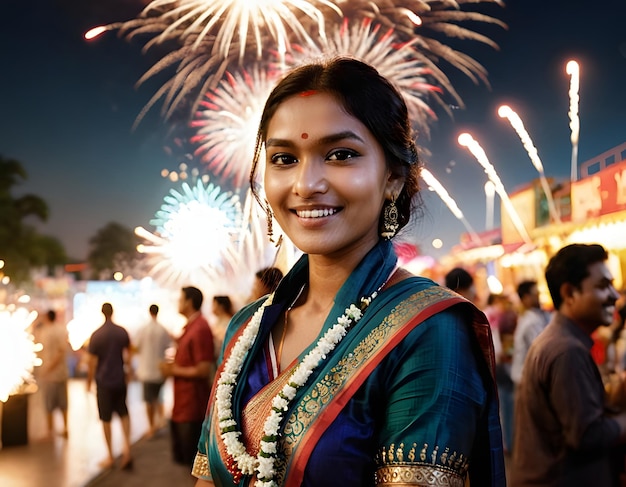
216	33
436	186
416	20
466	140
222	20
18	352
516	122
401	63
196	235
573	70
228	121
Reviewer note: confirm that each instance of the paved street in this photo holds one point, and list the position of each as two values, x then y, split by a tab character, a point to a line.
73	462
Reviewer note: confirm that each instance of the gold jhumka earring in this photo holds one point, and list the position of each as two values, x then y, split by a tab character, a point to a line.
390	219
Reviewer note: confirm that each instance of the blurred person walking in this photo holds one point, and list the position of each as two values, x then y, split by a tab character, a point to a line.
531	321
565	436
150	344
502	317
192	370
53	374
108	361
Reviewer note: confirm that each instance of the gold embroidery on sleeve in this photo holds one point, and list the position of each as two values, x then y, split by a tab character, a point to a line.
417	475
434	469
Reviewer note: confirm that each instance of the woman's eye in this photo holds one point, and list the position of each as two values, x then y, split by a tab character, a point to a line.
281	159
342	155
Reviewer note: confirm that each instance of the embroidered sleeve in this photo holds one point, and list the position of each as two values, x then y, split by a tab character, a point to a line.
396	468
435	400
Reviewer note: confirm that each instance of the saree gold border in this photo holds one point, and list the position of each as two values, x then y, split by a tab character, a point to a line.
313	403
422	475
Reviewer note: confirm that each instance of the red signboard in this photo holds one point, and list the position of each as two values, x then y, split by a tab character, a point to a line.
600	194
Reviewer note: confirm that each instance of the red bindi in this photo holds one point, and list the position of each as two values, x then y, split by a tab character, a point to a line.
304	135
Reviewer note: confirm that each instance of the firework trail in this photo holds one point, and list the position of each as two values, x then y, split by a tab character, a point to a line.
490	192
436	186
516	122
573	70
466	140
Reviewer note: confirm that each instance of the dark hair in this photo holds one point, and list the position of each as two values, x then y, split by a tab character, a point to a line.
107	310
195	295
270	277
524	288
571	265
52	315
225	303
367	96
154	309
458	278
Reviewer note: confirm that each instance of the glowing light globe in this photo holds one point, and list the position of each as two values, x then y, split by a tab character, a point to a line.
18	352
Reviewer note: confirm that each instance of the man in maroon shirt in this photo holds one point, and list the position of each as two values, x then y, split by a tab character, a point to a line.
192	370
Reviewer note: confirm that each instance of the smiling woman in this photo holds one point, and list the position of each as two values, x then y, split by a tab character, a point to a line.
349	362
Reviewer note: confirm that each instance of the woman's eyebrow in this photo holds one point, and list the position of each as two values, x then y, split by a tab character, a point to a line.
327	139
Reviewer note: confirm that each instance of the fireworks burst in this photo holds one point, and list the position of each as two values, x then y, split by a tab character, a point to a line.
224	20
215	34
196	237
401	63
18	354
228	121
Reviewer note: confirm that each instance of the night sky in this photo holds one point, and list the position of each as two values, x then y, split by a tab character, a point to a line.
67	107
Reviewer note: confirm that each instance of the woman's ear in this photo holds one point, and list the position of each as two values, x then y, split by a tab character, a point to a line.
394	186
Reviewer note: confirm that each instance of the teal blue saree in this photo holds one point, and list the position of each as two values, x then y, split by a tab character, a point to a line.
406	398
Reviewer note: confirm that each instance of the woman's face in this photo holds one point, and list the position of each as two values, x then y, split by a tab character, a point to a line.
325	176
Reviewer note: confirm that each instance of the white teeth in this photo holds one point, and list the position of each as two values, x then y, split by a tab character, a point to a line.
316	213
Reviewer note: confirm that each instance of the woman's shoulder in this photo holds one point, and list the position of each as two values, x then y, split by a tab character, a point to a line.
407	278
405	285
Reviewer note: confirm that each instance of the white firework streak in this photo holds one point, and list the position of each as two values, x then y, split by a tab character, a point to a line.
228	121
245	19
442	192
197	235
398	62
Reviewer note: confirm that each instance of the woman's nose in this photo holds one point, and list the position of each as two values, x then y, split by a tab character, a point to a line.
310	178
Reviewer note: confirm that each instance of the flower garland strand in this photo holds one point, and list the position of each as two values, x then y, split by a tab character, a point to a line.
242	462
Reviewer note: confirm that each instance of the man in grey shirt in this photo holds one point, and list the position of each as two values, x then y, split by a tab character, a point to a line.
564	435
531	321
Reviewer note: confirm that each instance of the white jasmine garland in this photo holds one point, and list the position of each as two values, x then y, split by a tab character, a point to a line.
263	463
